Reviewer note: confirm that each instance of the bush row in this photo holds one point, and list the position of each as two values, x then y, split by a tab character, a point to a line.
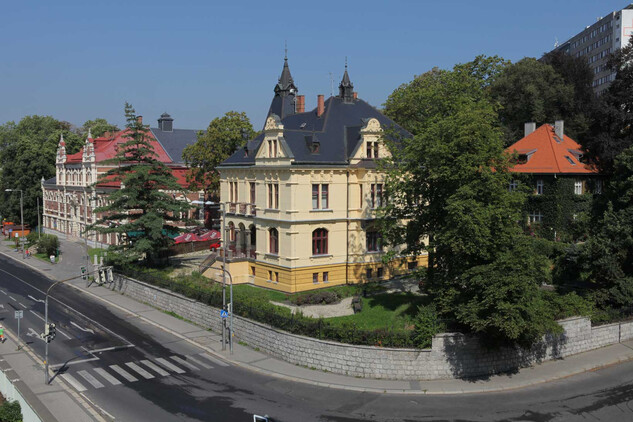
259	309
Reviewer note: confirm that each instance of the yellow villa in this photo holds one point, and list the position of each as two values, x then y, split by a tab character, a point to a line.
301	197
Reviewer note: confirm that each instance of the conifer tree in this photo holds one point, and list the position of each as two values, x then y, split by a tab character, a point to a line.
143	212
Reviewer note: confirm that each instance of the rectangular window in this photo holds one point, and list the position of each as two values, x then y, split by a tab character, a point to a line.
513	185
270	149
578	187
535	217
369	273
324	197
315	278
276	189
253	270
270	275
275	148
276	277
270	195
252	192
539	187
374	241
326	277
377	195
379	272
370	150
598	188
361	196
315	197
412	265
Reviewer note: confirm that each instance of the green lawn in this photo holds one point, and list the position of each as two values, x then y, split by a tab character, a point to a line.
387	310
246	289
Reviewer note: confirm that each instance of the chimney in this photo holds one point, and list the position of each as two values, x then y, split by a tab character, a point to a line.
559	126
529	128
320	105
139	119
301	103
355	95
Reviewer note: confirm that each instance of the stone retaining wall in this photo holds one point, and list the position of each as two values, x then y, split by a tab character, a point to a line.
452	355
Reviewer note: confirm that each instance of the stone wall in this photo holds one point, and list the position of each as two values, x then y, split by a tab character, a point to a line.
452	355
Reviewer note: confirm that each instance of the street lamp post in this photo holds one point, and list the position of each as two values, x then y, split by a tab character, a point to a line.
223	237
21	217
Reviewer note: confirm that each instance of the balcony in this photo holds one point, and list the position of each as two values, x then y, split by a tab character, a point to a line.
232	206
243	208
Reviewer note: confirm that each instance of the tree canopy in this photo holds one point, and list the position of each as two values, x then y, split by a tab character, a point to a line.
449	185
98	127
27	154
143	212
222	138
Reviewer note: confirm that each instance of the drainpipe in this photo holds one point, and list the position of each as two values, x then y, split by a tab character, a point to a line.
347	232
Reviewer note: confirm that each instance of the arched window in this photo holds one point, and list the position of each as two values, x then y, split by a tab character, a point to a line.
319	242
273	241
231	232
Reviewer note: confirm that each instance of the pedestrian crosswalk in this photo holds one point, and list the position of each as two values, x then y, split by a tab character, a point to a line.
147	369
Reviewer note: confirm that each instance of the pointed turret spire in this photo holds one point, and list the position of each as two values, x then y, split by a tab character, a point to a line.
346	87
61	140
283	103
286	84
89	133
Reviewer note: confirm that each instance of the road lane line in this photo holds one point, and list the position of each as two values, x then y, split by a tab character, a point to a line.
72	381
92	380
212	359
183	362
108	349
42	318
107	376
13	298
103	327
72	362
35	300
123	373
87	330
3	292
155	368
199	363
142	372
22	305
37	315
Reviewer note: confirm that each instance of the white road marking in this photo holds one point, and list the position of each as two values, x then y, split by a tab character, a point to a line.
35	300
42	318
197	362
1	306
184	363
87	330
155	368
142	372
33	333
92	380
72	381
3	292
107	349
170	366
72	362
13	298
214	360
22	305
107	376
123	373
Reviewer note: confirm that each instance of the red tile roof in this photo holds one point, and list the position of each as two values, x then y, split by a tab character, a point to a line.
180	173
105	148
548	154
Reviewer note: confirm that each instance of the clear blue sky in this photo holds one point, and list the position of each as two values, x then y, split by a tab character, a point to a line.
78	60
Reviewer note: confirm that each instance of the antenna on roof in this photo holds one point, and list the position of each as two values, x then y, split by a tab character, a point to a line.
331	85
556	43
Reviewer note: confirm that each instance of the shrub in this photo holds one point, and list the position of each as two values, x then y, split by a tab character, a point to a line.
10	411
48	244
427	325
317	298
31	239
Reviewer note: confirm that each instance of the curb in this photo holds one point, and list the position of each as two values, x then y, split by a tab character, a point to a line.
332	385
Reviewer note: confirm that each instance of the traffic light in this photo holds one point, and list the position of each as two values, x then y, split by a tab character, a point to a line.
49	332
84	273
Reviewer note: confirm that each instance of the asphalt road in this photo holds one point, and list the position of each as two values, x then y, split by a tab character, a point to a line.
137	372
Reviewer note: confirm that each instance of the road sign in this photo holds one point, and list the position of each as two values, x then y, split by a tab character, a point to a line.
19	314
224	314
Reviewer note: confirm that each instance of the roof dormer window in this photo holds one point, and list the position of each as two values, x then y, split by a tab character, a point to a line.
570	160
372	149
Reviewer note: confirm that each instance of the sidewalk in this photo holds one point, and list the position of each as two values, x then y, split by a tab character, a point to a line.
73	258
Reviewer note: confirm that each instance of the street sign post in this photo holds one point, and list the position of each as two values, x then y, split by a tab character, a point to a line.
18	316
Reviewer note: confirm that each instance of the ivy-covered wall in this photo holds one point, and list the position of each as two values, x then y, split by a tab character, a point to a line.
564	213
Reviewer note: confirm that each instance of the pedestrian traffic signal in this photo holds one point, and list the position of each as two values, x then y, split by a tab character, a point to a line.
49	332
84	273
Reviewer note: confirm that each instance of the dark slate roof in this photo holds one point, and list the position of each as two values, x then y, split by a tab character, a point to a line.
175	142
51	182
337	130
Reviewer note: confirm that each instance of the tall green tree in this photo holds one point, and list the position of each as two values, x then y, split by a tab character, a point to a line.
27	154
97	127
532	91
612	128
142	212
222	138
449	185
